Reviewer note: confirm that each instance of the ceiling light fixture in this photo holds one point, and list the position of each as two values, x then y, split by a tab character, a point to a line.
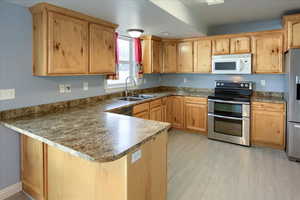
214	2
135	33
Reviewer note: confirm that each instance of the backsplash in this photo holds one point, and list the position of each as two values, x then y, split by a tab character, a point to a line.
274	83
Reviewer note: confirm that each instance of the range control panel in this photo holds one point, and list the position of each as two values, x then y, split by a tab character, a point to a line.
234	85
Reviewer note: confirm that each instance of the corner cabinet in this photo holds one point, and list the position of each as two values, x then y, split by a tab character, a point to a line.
268	124
152	55
67	43
268	53
292	31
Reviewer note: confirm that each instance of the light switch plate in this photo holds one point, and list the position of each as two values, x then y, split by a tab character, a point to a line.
263	83
7	94
136	156
85	86
61	88
184	80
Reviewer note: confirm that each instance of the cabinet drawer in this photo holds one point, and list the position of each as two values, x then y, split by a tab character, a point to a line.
141	108
155	103
276	107
198	100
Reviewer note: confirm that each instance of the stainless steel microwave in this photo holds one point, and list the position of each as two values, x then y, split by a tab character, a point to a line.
232	64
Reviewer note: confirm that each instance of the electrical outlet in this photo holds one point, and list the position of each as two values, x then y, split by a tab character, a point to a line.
68	88
263	83
61	88
184	80
136	156
85	86
7	94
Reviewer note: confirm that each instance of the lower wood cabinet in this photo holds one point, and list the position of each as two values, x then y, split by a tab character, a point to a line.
51	174
195	110
268	125
177	117
141	111
156	110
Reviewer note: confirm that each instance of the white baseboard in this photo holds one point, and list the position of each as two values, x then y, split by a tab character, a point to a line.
10	190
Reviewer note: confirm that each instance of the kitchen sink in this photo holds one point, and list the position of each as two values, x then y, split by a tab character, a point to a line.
131	98
144	96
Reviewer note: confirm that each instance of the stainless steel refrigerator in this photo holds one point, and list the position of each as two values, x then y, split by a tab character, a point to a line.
292	96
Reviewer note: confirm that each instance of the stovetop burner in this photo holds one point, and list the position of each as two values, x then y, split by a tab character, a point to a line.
232	91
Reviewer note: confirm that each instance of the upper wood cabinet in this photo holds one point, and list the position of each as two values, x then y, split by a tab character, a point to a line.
292	31
240	45
202	56
66	42
268	52
268	124
102	50
185	57
169	57
195	110
152	54
221	46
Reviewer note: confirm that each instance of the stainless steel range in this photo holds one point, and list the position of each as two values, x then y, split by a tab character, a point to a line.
229	112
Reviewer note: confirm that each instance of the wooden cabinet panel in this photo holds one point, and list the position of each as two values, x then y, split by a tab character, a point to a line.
156	113
169	57
152	55
155	103
68	45
196	114
32	167
268	53
177	112
156	56
221	46
169	109
142	115
185	57
164	109
202	56
141	108
240	45
294	34
268	126
102	50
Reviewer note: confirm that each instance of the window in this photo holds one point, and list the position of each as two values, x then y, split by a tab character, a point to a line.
126	65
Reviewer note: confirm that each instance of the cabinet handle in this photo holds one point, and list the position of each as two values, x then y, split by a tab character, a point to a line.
81	50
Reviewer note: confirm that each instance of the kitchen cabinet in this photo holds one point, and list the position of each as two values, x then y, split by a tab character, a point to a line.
195	110
268	53
169	57
32	167
68	43
268	124
177	114
221	46
152	54
185	57
202	56
141	111
156	110
102	50
240	44
292	31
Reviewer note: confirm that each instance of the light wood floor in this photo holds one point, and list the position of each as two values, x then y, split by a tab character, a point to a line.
202	169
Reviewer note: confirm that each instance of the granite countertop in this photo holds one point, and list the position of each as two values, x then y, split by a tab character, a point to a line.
88	131
268	99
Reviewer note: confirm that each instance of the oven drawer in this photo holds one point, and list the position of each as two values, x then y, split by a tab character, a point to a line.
225	108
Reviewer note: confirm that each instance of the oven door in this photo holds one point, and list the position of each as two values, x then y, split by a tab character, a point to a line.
229	122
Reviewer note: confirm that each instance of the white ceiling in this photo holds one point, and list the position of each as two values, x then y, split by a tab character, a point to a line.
178	17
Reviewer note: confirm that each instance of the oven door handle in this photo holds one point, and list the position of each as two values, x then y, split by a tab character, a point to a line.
232	102
225	117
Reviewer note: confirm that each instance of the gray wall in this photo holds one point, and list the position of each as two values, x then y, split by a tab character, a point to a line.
245	27
273	82
16	72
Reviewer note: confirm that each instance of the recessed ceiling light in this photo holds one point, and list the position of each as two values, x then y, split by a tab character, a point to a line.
214	2
135	33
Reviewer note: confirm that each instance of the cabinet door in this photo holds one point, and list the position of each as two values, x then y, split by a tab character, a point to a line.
169	57
268	53
293	34
68	45
156	56
240	45
268	128
102	50
156	113
185	57
196	116
221	46
169	109
32	167
202	56
143	115
177	112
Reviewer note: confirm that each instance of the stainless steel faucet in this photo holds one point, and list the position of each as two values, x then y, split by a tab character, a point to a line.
126	85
